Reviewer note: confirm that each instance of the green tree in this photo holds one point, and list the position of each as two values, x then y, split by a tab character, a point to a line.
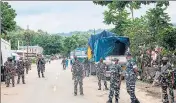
7	18
168	39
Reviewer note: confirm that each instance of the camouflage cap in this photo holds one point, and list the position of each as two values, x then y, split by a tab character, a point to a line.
165	58
8	58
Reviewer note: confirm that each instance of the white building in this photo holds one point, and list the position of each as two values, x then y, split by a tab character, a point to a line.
5	50
32	50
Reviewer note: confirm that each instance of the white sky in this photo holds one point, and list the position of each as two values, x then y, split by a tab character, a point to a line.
67	16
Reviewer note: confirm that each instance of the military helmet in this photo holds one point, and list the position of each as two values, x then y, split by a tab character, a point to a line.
8	58
165	59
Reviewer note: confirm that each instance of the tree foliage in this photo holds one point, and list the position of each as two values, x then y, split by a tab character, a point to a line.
145	33
51	43
7	17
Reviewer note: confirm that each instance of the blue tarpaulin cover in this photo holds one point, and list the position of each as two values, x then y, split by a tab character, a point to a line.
106	46
98	36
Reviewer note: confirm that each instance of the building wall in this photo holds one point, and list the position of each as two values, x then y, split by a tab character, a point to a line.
32	50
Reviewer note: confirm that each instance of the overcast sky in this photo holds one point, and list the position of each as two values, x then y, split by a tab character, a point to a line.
66	16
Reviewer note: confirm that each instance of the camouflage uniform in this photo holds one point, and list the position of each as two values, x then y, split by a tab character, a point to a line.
101	74
77	70
131	77
30	63
166	82
87	67
20	70
64	63
116	71
10	72
44	62
27	65
40	66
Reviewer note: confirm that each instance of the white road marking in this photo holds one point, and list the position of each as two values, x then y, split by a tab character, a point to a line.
54	89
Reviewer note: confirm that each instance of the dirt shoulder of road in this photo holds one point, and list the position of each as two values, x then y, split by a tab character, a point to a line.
150	90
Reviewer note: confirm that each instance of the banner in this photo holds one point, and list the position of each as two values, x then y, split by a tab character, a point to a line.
89	53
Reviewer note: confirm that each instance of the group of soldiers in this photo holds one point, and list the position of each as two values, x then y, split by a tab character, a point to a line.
19	67
12	68
166	78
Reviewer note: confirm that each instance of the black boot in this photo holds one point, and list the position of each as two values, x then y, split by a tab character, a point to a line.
18	82
137	101
43	76
106	88
82	94
99	88
109	101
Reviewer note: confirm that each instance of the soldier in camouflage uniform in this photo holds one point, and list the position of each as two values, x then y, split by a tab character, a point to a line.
115	81
166	79
87	67
77	70
64	63
101	70
27	65
20	70
30	63
40	66
130	76
10	72
44	62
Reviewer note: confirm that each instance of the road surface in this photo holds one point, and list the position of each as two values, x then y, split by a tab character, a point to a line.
57	87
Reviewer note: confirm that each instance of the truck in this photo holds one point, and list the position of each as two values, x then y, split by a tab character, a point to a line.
5	53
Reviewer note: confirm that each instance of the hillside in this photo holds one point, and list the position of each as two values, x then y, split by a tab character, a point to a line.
91	31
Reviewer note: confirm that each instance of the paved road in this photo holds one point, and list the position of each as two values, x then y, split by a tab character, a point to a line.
57	87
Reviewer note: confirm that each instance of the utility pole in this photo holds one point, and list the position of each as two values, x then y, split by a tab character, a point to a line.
27	38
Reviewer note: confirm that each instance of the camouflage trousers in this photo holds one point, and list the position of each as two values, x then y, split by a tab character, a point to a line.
114	89
100	78
164	86
27	69
78	80
130	86
87	72
40	71
64	66
21	75
30	66
10	77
